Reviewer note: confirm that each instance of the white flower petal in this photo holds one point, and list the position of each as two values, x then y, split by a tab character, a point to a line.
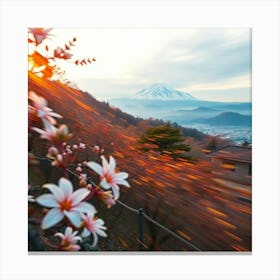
85	233
47	200
101	232
75	239
41	101
74	233
105	164
116	191
78	195
74	217
59	234
39	130
104	184
49	127
95	167
121	175
122	182
53	114
84	207
66	186
68	232
112	164
95	239
99	222
53	217
56	191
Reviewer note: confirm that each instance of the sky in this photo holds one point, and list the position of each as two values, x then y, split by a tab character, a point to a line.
209	63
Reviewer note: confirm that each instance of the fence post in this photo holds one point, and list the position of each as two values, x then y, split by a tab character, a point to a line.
47	169
141	229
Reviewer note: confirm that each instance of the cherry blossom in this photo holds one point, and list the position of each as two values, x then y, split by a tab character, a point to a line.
52	152
69	240
40	34
106	197
93	226
64	203
82	146
61	53
83	180
41	109
110	179
52	133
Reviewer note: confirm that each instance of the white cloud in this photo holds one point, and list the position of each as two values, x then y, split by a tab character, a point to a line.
197	59
231	83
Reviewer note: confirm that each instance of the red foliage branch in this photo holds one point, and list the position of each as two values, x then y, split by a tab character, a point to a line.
85	61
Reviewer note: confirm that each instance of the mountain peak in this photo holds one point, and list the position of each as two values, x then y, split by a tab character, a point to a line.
163	92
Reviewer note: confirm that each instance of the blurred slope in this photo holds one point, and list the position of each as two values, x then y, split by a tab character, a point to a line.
183	196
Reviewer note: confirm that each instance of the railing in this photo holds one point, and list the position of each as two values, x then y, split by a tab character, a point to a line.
141	217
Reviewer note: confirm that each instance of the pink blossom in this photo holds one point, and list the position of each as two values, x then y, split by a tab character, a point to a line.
40	34
83	180
106	197
64	203
53	134
52	152
83	176
79	169
93	226
69	240
110	179
61	53
96	148
41	108
82	146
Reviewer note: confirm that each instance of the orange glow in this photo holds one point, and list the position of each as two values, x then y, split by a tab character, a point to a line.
227	224
216	212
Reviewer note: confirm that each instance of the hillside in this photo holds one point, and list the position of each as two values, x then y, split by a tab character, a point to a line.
183	196
227	118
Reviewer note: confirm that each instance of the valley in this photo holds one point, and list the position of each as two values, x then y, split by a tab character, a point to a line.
233	120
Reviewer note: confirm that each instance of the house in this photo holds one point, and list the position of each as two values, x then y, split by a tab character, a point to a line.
233	162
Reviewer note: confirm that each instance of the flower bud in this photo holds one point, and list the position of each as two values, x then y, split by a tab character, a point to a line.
82	146
53	151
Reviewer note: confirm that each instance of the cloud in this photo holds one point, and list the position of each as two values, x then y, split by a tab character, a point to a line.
200	60
207	56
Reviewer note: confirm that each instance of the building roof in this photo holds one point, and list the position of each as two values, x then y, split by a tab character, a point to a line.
236	153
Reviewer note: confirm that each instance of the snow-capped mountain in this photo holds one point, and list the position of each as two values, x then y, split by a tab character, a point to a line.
163	92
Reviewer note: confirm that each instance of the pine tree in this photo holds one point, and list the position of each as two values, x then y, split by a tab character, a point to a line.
164	138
